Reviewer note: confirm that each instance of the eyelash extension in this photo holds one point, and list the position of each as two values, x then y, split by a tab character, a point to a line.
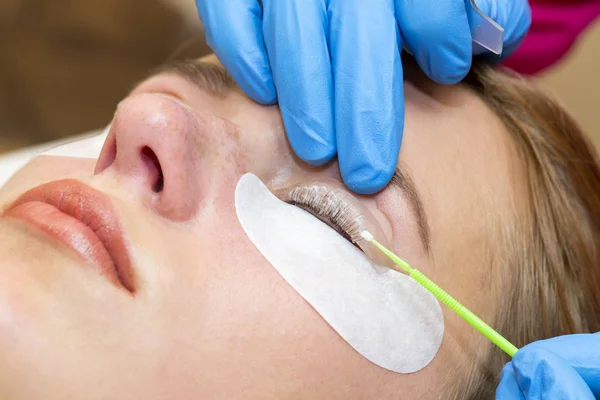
329	207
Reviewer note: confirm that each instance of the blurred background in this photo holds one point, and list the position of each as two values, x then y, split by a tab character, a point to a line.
65	64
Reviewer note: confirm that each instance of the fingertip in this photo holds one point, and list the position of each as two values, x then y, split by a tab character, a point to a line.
516	32
262	89
251	73
438	34
448	68
367	179
316	154
313	143
368	157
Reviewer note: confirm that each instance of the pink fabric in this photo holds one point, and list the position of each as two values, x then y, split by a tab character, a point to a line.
555	27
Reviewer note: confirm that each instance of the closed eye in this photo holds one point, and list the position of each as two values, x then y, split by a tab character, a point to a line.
331	207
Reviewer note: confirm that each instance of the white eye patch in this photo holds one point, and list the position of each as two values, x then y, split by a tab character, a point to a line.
384	315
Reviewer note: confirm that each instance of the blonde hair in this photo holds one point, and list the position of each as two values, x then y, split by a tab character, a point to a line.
553	247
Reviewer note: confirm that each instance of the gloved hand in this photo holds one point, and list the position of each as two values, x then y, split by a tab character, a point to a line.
561	368
335	68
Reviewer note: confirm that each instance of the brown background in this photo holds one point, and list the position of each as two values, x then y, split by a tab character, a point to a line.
64	64
576	81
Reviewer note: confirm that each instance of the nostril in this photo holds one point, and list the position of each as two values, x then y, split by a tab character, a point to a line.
152	162
160	183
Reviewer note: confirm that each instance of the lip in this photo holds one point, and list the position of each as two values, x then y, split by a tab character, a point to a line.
84	220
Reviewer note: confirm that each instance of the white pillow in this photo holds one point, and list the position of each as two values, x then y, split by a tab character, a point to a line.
86	145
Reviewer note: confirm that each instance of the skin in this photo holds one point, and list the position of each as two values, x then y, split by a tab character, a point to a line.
211	318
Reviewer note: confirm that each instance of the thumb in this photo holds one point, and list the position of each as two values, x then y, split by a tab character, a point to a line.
543	374
582	352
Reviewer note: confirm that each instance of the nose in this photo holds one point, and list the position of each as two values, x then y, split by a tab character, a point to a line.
152	148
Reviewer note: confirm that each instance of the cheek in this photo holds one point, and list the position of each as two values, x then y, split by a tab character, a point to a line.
225	312
45	169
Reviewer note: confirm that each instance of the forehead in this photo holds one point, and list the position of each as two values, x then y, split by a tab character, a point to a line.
463	162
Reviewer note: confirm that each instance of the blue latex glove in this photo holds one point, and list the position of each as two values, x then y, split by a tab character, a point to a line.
561	368
335	68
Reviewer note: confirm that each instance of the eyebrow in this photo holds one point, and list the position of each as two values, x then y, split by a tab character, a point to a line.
209	77
402	180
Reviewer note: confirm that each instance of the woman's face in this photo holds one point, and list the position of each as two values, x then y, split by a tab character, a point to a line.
195	310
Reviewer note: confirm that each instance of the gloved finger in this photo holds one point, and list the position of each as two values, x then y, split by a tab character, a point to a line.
369	95
543	374
514	16
234	32
582	352
438	35
508	389
296	36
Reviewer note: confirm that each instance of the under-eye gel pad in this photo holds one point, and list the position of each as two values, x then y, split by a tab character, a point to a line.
384	315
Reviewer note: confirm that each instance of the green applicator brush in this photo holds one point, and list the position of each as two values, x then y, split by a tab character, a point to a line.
445	298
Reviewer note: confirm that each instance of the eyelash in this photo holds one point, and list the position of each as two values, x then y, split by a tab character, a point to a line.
330	208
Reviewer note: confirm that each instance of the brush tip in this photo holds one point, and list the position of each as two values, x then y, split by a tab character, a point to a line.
367	236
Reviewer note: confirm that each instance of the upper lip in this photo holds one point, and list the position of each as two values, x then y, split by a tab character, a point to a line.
94	210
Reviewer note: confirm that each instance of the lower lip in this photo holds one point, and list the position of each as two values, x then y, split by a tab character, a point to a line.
71	232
